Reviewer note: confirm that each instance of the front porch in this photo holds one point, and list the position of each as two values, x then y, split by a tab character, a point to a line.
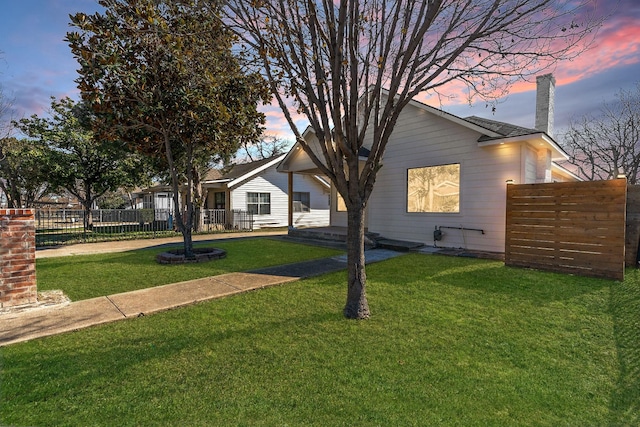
338	236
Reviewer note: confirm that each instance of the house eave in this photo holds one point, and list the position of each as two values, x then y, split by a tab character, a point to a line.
283	165
564	171
217	181
326	184
536	139
237	181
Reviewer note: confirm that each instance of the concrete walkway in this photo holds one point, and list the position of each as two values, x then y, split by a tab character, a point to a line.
128	245
43	321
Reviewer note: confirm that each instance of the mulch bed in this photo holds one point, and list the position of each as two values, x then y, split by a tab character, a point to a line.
200	255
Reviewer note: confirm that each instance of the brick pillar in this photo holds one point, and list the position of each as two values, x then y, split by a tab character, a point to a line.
17	257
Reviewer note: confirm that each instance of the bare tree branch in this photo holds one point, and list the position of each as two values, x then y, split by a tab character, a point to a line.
606	145
352	66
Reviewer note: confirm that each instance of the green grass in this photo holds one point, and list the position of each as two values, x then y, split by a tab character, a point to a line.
88	276
53	237
451	341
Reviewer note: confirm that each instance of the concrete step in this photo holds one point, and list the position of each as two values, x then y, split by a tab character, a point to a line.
398	245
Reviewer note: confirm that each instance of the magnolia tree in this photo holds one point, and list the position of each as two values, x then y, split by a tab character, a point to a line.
161	75
350	67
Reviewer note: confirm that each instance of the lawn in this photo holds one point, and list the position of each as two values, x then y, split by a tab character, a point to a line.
452	341
88	276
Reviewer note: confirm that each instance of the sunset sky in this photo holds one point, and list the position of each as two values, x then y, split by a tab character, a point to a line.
35	64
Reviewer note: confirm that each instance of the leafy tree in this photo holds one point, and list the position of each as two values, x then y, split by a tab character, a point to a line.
23	171
112	200
162	76
602	146
81	162
350	67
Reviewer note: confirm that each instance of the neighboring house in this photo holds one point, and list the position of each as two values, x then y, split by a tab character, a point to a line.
442	172
158	197
258	188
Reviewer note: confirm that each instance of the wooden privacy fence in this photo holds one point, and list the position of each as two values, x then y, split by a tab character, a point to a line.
632	241
570	227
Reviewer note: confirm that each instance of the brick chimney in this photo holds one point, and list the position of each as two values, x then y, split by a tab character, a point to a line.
545	91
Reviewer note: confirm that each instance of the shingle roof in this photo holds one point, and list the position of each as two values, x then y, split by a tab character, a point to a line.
507	130
242	169
212	174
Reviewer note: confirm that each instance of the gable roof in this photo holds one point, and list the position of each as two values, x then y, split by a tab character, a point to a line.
455	119
239	170
498	132
508	132
243	171
491	132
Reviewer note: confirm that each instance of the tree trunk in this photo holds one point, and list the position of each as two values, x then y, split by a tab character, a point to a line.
188	224
183	220
357	306
88	218
87	202
198	201
188	243
14	199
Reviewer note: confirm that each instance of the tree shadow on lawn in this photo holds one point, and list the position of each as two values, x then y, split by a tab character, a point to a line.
625	309
543	288
488	276
106	363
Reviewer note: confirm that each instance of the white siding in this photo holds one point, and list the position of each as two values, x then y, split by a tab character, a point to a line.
318	215
423	139
530	165
276	183
338	218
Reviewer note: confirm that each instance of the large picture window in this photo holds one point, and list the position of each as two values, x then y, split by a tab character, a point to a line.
259	203
301	201
434	189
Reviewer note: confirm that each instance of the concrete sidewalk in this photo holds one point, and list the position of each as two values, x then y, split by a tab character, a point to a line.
44	321
128	245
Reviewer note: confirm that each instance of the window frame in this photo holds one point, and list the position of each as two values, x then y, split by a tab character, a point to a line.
261	207
299	206
437	212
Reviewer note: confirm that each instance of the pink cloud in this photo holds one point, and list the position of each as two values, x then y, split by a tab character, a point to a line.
616	45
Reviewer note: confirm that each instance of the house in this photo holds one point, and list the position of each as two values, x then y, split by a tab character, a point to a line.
259	189
155	197
443	178
256	188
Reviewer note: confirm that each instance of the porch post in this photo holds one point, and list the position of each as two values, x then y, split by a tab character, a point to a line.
227	208
290	199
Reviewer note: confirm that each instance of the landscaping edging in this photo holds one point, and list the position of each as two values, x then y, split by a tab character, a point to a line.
200	255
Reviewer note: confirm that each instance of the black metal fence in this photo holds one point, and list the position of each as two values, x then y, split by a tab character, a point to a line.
65	226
